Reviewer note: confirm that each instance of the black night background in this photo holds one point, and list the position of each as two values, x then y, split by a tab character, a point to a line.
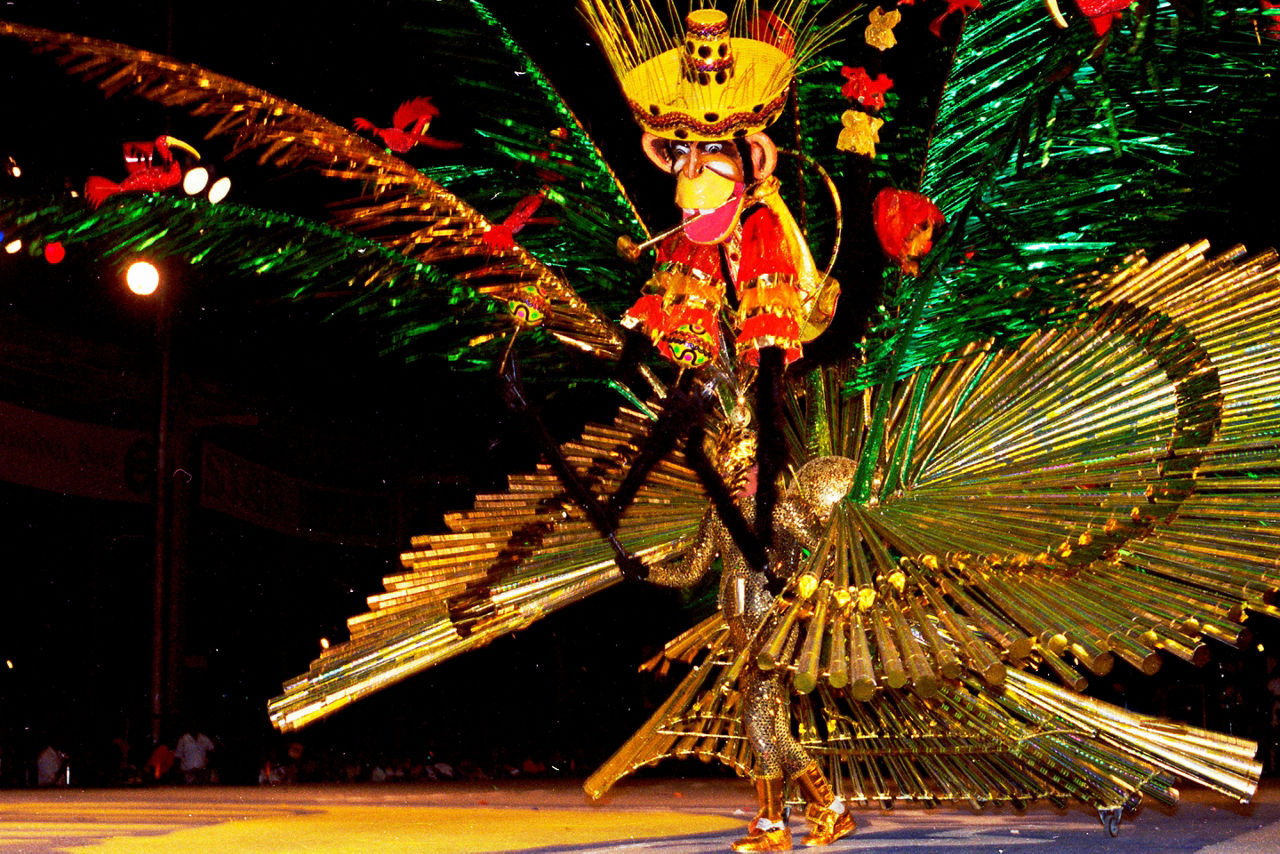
281	385
277	384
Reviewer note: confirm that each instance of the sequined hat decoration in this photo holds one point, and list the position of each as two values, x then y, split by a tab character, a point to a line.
723	76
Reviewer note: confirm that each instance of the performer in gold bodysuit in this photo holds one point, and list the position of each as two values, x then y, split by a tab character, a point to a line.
746	601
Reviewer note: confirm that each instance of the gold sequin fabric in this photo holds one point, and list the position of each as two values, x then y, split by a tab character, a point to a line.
746	602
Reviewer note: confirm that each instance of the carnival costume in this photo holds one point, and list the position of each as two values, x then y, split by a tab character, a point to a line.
746	602
1053	452
721	89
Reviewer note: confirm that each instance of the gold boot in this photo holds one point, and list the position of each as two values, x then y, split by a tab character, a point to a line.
827	824
769	792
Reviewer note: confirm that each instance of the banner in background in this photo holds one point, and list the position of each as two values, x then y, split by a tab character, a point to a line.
74	457
93	461
270	499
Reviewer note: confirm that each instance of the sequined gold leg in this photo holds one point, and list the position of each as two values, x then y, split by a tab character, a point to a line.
769	792
826	825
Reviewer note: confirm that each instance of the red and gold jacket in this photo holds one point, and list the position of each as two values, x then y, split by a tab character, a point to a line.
685	298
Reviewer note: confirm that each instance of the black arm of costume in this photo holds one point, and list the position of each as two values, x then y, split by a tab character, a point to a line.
730	515
600	515
680	411
771	449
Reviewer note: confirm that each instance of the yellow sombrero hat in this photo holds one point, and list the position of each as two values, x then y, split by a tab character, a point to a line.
713	87
724	76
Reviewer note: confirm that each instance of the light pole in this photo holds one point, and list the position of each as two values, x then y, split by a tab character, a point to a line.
144	280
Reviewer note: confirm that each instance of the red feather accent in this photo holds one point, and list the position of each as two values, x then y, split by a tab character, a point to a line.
408	127
964	7
865	89
97	190
1270	23
1103	13
649	314
499	238
502	236
139	156
416	111
432	142
151	167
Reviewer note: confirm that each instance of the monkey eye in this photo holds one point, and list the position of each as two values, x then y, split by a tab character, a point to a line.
713	148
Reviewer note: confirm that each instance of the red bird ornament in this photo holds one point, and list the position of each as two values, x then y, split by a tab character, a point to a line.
904	223
1270	18
408	127
1101	13
151	166
502	235
964	7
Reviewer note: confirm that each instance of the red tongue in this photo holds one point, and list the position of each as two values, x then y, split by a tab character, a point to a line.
709	228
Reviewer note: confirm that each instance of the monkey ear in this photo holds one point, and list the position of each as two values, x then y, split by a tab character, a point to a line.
764	155
655	148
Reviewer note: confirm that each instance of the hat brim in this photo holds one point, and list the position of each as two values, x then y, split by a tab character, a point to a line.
668	103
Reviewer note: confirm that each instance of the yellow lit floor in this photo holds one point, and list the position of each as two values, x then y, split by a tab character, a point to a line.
553	817
440	819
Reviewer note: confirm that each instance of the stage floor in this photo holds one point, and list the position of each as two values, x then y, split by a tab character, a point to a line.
545	816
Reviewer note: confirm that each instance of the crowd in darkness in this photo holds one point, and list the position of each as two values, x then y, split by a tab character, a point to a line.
1238	695
198	759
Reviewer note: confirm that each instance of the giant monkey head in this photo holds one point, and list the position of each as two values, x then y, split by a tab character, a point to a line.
712	179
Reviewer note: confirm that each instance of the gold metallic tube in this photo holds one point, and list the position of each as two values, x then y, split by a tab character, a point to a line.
732	731
809	664
856	791
648	743
895	675
1178	600
1070	677
943	653
841	595
694	639
838	654
861	583
1199	754
981	659
1232	635
1098	661
1102	598
1137	655
806	721
1015	644
1026	610
729	676
771	654
685	744
887	571
862	681
923	680
1173	642
708	746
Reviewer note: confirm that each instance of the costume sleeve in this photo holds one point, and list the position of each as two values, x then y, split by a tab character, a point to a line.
769	311
681	307
698	560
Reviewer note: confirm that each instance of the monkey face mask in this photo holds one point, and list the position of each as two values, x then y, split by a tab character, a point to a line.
711	188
